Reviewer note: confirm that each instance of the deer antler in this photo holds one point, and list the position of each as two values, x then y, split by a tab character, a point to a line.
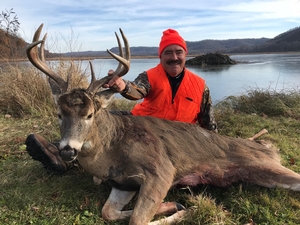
123	67
37	58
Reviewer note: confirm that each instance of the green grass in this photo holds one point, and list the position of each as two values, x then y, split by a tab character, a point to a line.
29	195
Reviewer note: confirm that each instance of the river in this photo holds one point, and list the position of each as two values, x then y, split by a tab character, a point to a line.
272	72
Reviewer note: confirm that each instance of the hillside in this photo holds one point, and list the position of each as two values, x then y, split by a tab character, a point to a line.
194	48
207	46
135	51
288	41
12	47
288	36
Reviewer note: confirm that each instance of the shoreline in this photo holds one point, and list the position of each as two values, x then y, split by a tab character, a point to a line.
136	57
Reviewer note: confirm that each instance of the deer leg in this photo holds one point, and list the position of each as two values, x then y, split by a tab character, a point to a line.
150	198
112	209
169	208
175	210
276	176
176	217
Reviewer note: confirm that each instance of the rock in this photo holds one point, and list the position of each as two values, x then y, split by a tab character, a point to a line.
210	59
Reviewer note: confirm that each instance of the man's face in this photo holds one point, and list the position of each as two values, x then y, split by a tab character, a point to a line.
173	59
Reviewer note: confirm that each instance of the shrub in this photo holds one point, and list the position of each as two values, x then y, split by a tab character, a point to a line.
27	91
263	103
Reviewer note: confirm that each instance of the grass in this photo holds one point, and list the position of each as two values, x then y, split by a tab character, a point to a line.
29	195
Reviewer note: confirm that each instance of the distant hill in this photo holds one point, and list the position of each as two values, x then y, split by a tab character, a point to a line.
194	48
288	36
222	46
289	41
135	51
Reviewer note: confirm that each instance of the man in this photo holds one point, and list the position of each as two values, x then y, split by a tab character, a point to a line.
170	91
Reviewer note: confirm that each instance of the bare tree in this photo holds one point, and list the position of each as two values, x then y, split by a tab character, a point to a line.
9	21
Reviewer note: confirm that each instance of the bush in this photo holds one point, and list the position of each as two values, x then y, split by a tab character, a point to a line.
27	91
263	103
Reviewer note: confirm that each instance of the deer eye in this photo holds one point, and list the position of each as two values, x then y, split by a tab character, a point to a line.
59	116
90	116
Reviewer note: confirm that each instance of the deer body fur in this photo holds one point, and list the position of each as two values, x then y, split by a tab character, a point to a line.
150	155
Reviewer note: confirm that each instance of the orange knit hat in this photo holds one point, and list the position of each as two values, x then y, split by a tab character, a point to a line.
171	37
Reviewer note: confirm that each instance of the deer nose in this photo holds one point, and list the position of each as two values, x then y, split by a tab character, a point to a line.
68	154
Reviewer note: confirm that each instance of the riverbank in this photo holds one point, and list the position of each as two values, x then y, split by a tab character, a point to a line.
133	57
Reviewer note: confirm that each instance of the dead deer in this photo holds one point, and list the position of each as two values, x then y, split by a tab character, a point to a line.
147	155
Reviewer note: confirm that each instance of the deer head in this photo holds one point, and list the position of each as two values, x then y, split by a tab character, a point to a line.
77	108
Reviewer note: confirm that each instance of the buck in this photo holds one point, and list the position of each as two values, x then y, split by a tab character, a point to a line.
147	156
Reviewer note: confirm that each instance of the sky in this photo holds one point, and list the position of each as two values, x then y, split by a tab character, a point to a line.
84	25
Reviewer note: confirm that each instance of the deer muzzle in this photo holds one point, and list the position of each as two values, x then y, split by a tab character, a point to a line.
68	154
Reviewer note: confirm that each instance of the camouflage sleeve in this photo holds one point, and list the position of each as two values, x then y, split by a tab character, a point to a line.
137	89
206	116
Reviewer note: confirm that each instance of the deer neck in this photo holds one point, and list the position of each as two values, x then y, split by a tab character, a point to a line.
106	130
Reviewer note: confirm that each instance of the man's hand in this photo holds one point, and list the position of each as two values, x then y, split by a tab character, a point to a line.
116	83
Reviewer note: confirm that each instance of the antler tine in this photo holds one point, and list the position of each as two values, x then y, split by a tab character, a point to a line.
39	62
122	69
95	84
121	52
92	73
42	52
124	63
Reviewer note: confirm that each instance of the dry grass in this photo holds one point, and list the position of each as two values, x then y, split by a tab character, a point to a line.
269	103
27	91
24	88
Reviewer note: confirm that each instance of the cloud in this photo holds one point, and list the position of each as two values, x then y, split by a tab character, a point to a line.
93	23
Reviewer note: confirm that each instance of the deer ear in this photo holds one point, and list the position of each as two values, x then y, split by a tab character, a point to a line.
103	98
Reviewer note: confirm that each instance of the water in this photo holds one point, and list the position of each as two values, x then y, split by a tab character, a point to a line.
273	72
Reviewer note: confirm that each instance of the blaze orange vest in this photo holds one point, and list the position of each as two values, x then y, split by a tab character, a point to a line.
186	103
